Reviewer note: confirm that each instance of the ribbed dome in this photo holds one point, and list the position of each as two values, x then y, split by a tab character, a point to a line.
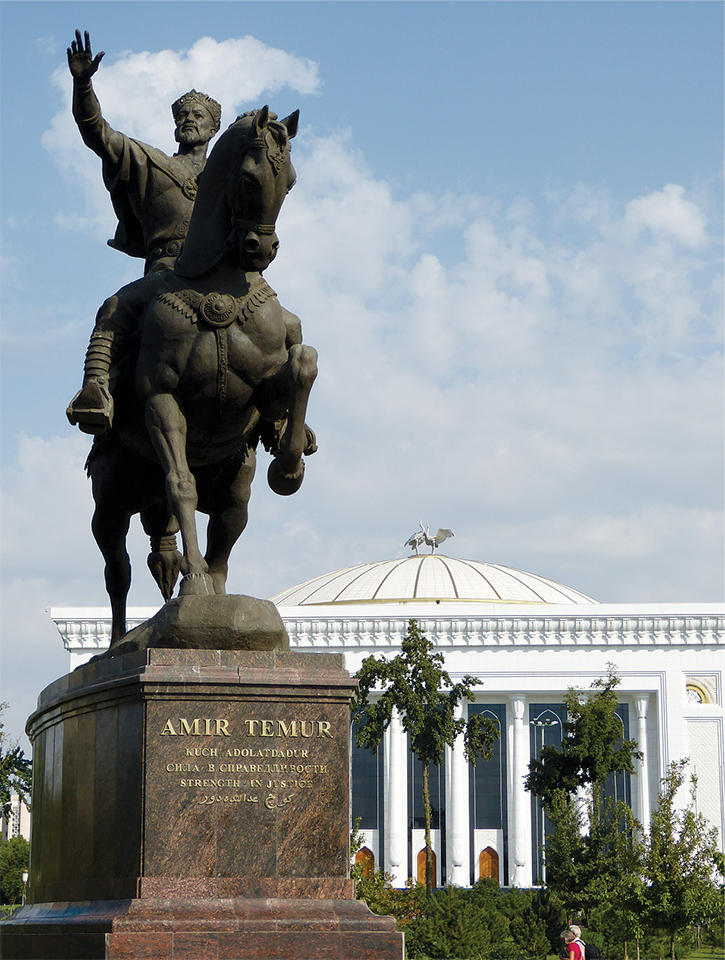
433	578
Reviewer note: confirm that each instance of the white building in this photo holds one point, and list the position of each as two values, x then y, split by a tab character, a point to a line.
528	640
17	824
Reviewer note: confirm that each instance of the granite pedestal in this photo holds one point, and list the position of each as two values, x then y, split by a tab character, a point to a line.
194	804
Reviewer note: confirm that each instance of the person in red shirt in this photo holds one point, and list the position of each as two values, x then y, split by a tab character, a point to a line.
573	943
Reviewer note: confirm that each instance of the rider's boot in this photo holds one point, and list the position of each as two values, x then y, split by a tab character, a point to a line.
92	407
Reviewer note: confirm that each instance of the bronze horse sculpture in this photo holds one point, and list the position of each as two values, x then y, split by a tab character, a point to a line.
219	367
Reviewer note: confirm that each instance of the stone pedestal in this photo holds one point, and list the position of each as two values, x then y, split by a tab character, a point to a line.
194	804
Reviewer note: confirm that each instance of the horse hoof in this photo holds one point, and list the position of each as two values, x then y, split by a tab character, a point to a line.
285	484
165	567
196	585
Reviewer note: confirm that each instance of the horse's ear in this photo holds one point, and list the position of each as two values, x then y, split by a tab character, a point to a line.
261	119
292	123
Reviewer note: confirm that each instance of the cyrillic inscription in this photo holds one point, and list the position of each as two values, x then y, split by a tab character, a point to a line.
266	776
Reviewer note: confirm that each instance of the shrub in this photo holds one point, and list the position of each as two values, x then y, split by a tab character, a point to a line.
14	855
451	927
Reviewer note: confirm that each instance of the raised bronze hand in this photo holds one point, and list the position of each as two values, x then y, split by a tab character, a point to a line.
81	62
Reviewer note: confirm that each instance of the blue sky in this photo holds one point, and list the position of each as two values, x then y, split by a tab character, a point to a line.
505	241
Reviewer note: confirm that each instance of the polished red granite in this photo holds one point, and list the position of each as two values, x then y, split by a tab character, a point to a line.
194	804
205	930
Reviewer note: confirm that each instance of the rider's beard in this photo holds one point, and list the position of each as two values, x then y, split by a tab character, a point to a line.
189	137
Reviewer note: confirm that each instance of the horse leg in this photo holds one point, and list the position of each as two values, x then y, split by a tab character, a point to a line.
226	500
166	426
110	526
286	471
107	468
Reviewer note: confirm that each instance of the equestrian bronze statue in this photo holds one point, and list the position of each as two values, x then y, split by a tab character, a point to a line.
215	366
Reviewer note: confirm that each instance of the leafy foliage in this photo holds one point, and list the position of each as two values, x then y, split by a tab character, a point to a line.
619	921
14	856
680	857
379	894
588	855
528	931
413	683
592	845
15	771
480	923
453	925
592	747
547	906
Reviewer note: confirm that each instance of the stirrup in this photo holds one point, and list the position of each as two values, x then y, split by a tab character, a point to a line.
92	408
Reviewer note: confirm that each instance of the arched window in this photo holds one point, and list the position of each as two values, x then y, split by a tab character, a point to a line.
488	865
366	859
617	785
421	866
546	722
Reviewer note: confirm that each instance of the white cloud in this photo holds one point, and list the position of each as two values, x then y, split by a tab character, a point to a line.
668	213
46	502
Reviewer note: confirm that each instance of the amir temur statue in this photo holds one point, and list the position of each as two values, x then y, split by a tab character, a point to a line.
195	365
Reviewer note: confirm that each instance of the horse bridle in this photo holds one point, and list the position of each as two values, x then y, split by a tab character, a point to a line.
259	228
276	159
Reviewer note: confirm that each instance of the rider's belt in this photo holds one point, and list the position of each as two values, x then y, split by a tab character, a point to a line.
219	310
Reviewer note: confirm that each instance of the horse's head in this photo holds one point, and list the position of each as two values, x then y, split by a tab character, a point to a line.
241	191
264	179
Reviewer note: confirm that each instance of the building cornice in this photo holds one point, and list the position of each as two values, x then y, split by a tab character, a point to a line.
601	625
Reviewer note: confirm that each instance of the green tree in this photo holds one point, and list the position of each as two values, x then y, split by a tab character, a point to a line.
620	919
592	747
680	861
374	887
452	925
592	844
547	906
15	770
529	921
14	855
587	856
413	683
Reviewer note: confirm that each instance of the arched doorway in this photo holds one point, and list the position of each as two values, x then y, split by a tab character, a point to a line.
421	866
488	864
365	858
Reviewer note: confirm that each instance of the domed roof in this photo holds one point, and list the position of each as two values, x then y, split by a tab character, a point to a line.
432	578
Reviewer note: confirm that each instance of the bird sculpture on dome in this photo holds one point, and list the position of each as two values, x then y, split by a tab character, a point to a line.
416	539
437	540
423	536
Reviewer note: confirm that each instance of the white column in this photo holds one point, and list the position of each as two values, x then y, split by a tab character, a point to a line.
396	802
642	766
458	841
520	802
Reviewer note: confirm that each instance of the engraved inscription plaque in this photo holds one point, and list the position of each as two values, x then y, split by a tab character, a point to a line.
246	788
